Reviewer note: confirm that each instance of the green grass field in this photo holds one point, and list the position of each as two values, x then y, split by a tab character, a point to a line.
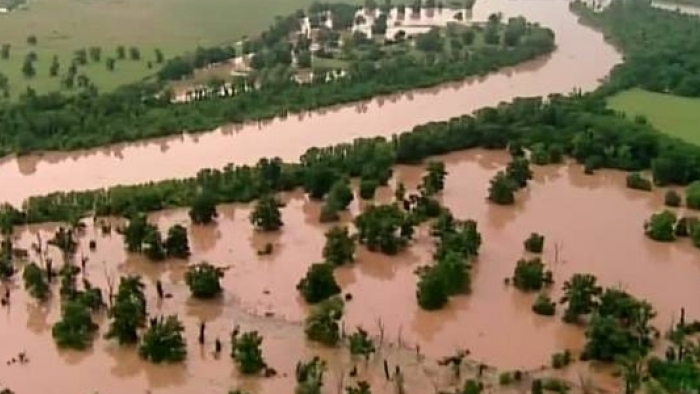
677	116
174	26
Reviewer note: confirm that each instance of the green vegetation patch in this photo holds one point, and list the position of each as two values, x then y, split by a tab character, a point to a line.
673	115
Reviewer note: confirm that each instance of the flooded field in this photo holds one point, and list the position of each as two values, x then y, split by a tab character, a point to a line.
581	60
594	222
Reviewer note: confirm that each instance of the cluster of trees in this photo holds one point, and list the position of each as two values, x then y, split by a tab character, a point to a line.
140	236
505	183
457	245
659	46
57	121
665	226
183	66
581	125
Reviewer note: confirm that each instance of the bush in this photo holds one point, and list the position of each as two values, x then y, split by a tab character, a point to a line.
636	181
661	226
561	359
544	306
203	280
672	198
318	284
535	243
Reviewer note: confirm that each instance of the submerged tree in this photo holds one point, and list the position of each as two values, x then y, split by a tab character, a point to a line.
266	216
378	228
534	243
580	293
128	313
203	279
203	210
309	376
544	305
247	353
502	189
518	170
36	281
431	292
661	226
318	284
361	343
76	329
530	275
322	325
163	341
434	180
340	247
177	244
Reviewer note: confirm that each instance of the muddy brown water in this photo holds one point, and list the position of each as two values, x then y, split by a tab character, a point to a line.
581	60
594	221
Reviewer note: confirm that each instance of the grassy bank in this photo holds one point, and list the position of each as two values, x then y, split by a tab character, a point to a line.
673	115
174	26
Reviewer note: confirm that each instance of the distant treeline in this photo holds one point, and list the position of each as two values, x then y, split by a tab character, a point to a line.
88	118
579	126
662	48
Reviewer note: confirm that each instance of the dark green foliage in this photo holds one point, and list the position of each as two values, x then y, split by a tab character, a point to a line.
544	305
361	387
502	189
431	41
378	228
360	343
518	170
536	387
163	341
76	329
434	180
636	181
661	226
177	244
672	198
152	244
35	281
340	247
461	237
203	279
247	353
368	187
675	375
266	216
338	199
530	275
431	293
580	293
128	313
692	195
321	325
319	283
203	209
534	243
695	234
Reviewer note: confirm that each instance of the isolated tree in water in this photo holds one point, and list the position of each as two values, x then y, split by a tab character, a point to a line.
266	216
321	325
203	210
309	376
361	343
340	247
502	189
431	293
176	244
318	284
204	280
163	341
580	296
518	170
35	281
76	329
247	353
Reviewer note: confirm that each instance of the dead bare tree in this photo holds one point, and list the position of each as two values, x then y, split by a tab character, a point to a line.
109	279
380	327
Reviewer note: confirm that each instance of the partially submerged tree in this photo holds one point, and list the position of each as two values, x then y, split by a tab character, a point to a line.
247	353
203	210
163	341
361	343
76	329
128	313
530	275
661	226
340	247
580	296
322	323
518	170
177	244
203	279
502	189
266	216
36	281
309	376
434	180
378	228
318	284
534	243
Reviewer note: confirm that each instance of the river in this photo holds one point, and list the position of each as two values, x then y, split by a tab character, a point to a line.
581	60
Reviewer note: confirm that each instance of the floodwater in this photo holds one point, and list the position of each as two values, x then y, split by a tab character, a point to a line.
594	222
581	61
